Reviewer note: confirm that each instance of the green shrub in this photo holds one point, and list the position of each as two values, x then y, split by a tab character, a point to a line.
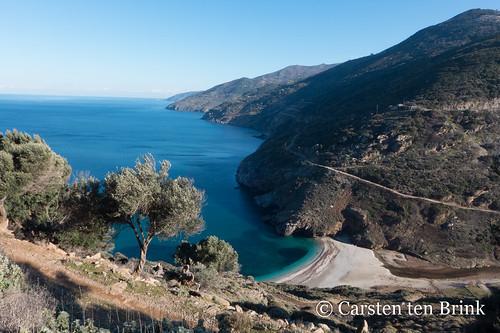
212	252
235	322
207	277
32	179
11	275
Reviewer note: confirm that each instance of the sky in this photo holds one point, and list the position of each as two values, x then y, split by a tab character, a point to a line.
158	48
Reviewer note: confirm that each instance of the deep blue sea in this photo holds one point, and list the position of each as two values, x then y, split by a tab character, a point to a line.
98	135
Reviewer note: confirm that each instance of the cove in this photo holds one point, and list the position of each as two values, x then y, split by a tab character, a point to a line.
98	135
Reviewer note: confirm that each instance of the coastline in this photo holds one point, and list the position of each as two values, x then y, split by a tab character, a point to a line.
338	263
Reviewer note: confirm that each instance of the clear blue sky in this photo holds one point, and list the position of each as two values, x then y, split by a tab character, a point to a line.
156	48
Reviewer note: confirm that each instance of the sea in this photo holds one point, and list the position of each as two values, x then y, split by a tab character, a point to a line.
98	135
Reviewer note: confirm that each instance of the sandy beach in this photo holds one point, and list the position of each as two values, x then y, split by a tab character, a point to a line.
339	263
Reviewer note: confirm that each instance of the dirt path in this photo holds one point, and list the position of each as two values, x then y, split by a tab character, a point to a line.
385	188
48	262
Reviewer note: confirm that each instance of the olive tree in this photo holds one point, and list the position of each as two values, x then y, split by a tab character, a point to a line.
32	179
152	204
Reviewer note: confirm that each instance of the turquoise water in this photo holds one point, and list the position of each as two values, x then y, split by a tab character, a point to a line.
98	135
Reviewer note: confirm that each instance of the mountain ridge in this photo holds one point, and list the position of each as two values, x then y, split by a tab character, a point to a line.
244	89
420	117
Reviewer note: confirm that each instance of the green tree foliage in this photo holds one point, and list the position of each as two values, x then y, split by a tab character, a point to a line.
32	178
83	206
153	204
11	275
212	252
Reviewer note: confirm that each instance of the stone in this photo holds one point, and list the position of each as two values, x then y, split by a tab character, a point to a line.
96	257
238	309
119	287
310	326
173	283
120	258
363	328
158	270
220	301
324	327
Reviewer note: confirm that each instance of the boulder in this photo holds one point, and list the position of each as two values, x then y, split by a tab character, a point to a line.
120	258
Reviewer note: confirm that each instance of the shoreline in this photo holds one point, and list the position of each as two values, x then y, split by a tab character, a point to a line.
338	263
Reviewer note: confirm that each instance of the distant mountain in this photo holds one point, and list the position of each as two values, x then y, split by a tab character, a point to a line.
178	97
226	97
412	135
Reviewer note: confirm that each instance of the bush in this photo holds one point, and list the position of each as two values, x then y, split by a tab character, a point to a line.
211	252
11	275
235	322
25	310
207	277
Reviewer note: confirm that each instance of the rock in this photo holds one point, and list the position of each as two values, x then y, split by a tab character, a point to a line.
120	258
56	249
310	326
158	270
252	313
238	309
194	293
216	299
174	283
363	327
212	310
324	327
175	290
356	219
95	257
413	297
119	287
318	330
281	323
220	301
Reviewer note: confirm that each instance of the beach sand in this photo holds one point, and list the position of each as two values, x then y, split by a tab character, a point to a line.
339	263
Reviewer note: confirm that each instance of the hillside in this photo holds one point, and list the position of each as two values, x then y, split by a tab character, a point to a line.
223	101
61	292
178	97
420	119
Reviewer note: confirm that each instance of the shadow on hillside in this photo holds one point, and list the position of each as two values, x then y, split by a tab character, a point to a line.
74	299
301	315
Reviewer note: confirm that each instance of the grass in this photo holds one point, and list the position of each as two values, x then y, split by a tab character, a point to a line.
96	273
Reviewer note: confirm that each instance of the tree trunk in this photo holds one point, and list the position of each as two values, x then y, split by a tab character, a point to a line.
142	259
3	214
